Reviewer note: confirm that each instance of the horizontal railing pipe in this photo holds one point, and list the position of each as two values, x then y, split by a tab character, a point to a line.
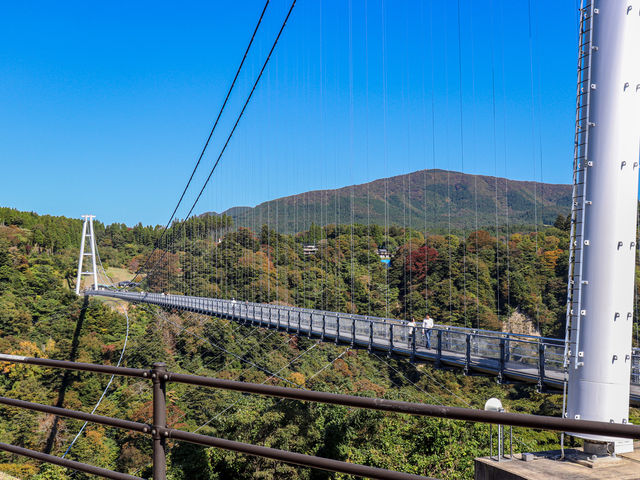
67	365
454	413
440	411
291	457
88	417
63	462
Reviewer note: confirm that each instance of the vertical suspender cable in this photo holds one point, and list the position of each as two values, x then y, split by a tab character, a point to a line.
366	62
351	161
475	177
425	174
533	136
464	225
204	149
506	176
240	115
386	182
324	207
406	190
446	73
495	167
433	149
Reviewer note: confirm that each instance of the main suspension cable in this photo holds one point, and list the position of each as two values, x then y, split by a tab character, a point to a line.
206	144
246	103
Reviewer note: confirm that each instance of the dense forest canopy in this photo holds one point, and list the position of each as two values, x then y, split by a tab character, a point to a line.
475	278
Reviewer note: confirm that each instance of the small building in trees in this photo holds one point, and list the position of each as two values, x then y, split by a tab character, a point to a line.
385	256
309	249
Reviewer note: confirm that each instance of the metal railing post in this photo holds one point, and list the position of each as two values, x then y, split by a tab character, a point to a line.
413	344
491	441
390	340
439	355
541	367
159	377
467	357
337	328
503	345
370	335
324	326
353	331
507	350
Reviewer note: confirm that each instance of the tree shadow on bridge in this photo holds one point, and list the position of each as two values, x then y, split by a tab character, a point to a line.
67	378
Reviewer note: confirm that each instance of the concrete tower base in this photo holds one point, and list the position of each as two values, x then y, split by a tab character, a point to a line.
577	465
605	448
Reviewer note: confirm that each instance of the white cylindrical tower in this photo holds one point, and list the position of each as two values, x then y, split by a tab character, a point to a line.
602	302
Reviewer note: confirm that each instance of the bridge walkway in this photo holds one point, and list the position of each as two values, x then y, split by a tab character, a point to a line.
510	357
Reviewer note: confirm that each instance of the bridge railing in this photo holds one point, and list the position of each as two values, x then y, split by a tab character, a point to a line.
160	433
522	357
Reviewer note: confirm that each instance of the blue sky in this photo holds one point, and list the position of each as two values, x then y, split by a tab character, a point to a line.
104	107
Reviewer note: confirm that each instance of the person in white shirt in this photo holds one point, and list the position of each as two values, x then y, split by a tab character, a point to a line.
412	330
427	325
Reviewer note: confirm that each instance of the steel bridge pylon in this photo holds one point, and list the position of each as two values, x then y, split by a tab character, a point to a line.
87	233
604	215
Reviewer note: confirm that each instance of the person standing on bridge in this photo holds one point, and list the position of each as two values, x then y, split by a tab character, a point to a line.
427	325
412	330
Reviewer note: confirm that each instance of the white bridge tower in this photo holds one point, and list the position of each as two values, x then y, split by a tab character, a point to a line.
88	221
604	213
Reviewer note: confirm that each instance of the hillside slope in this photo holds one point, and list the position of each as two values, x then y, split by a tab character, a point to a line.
436	197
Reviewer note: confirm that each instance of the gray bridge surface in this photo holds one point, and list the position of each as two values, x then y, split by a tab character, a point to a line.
511	357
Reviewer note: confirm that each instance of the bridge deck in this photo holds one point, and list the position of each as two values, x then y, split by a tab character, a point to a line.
524	358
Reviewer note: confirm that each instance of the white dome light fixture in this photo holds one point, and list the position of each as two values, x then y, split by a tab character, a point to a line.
493	405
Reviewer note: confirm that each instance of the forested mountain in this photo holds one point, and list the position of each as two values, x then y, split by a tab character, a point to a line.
487	275
465	201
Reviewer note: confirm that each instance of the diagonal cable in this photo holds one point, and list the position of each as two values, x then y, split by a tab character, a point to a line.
244	107
206	144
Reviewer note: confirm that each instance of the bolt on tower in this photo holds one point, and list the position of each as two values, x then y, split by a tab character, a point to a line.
604	215
91	240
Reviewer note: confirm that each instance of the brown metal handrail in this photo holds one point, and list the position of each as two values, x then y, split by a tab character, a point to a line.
159	431
81	467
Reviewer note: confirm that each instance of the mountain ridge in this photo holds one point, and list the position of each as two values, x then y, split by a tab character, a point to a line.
431	198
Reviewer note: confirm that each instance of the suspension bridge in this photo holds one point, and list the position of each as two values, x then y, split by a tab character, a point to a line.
508	356
594	366
594	360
